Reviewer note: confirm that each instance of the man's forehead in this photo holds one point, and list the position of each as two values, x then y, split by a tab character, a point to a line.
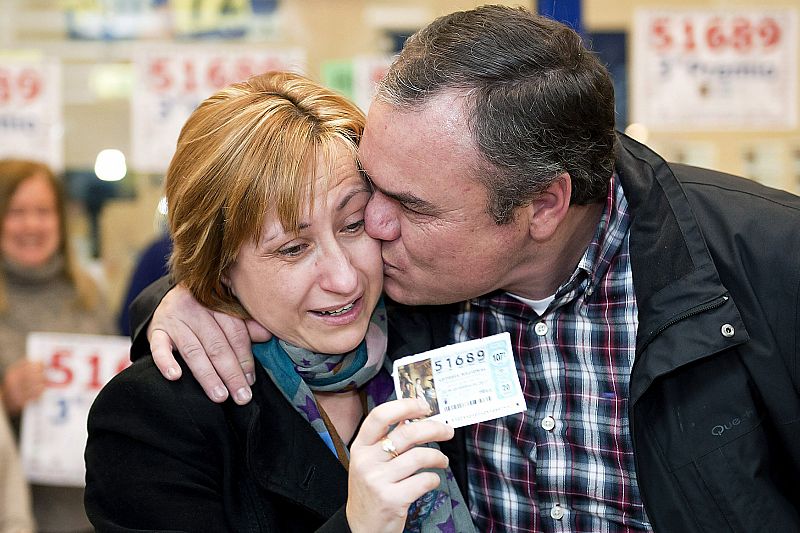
430	137
446	110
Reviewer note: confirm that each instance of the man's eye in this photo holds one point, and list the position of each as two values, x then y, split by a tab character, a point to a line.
292	251
355	227
410	209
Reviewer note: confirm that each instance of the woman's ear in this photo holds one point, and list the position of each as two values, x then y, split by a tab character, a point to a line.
226	281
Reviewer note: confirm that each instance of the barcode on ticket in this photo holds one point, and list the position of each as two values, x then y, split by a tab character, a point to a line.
469	403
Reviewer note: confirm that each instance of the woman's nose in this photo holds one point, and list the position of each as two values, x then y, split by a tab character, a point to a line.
31	219
338	273
380	218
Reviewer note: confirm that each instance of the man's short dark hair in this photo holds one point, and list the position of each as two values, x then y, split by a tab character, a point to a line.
542	104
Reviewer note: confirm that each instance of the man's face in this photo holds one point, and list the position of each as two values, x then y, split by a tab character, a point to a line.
439	244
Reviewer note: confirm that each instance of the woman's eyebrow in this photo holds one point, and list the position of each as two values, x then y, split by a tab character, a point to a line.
349	196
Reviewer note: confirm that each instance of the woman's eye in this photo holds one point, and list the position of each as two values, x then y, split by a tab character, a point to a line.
355	227
292	251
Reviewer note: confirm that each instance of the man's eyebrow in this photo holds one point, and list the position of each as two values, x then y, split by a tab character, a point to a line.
408	200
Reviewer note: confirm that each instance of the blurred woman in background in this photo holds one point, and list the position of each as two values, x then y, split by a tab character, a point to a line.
41	289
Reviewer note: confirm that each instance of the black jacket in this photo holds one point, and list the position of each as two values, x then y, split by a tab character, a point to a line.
715	390
220	467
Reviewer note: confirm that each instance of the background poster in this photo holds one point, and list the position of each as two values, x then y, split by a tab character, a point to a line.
169	83
31	122
715	69
53	433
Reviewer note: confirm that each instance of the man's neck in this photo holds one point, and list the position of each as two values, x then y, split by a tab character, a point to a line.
551	263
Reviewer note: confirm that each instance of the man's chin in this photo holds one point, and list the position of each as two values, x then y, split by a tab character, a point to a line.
412	294
401	293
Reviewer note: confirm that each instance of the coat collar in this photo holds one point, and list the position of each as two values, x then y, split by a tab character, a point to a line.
417	329
283	454
673	273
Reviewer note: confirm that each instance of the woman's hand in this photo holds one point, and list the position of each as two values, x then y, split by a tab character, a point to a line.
383	484
23	382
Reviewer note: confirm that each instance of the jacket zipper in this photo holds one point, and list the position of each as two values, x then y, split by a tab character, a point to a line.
713	304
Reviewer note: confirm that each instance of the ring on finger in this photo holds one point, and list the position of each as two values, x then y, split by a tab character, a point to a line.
388	446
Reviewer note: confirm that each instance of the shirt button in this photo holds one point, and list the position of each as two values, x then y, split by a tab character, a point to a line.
548	423
557	512
540	329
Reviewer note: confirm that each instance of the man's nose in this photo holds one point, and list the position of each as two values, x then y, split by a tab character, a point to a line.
380	218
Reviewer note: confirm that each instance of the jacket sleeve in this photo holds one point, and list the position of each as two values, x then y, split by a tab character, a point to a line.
149	465
336	524
141	311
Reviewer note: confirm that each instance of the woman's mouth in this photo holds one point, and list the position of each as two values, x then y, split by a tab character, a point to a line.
342	315
340	311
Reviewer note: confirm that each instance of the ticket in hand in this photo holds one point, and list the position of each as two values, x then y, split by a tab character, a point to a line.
463	383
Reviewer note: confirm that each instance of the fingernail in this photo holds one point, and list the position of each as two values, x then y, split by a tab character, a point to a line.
243	395
220	393
172	373
250	377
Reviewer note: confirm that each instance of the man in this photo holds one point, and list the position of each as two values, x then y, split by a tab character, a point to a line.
653	307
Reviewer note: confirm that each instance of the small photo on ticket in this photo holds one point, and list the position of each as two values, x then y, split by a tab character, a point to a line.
416	381
463	383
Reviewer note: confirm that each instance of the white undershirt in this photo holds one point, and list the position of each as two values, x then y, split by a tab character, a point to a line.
540	306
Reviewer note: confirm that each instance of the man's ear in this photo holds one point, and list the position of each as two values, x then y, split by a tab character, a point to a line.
550	208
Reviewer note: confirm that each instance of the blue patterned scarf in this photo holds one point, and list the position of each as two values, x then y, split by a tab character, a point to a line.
298	372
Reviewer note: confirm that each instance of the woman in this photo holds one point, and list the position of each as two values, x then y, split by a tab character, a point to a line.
266	208
41	289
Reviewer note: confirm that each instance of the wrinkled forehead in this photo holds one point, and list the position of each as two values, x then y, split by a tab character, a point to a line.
425	150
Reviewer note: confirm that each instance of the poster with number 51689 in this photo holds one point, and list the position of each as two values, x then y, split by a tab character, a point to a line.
53	432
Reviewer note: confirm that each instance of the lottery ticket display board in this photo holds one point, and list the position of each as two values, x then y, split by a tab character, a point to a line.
53	433
170	82
31	123
698	69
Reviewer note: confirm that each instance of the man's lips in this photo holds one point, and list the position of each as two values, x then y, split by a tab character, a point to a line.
388	264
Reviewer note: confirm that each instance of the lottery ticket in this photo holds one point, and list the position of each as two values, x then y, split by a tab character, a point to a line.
463	383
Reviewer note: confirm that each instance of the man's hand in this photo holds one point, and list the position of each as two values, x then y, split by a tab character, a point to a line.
215	346
23	382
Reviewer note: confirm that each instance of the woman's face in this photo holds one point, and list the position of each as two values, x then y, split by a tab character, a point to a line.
315	289
31	231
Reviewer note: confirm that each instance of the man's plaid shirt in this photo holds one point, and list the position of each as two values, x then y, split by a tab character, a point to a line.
567	463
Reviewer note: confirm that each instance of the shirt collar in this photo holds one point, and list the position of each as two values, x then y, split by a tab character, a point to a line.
608	237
